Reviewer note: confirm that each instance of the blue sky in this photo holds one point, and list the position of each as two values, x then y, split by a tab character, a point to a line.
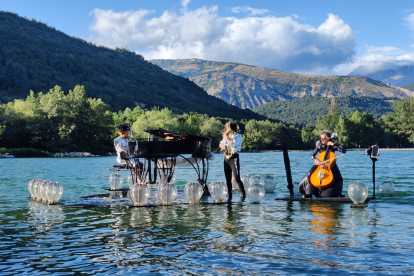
312	37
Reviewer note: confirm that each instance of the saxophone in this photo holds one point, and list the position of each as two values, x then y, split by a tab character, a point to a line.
229	149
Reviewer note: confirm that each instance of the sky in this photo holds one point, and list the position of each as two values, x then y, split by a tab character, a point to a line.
309	37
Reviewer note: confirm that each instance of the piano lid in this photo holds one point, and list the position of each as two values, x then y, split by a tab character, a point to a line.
169	135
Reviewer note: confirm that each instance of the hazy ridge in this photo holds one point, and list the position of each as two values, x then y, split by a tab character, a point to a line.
248	86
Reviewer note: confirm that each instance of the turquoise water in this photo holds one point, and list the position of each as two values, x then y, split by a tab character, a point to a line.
273	237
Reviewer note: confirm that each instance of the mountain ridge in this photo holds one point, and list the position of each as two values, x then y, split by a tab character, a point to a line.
400	76
249	86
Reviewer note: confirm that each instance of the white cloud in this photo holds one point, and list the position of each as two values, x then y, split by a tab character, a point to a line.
268	41
250	10
381	49
409	21
184	3
378	62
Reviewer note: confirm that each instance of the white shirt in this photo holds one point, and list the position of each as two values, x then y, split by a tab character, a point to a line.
120	143
235	140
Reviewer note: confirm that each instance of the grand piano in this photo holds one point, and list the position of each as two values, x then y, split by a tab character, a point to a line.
152	159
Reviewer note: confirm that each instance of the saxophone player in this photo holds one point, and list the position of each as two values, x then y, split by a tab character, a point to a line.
230	146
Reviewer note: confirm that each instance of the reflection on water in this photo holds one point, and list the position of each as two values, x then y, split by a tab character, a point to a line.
324	220
229	220
358	217
139	217
324	223
273	237
43	216
167	215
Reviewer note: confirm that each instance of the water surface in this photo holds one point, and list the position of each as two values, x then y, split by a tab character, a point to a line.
273	237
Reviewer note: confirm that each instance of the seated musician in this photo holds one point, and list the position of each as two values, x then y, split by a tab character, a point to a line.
233	140
306	187
121	142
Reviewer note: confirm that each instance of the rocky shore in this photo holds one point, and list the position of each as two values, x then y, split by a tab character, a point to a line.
6	155
74	154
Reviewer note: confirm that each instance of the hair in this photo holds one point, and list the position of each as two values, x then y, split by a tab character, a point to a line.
232	125
122	128
326	133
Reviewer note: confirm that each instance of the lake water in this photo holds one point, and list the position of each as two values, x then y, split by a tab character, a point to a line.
273	237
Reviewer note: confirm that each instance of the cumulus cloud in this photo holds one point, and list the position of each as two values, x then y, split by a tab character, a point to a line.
268	41
250	10
380	58
374	62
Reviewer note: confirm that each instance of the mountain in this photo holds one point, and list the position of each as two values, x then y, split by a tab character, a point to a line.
398	76
409	86
248	86
305	111
34	56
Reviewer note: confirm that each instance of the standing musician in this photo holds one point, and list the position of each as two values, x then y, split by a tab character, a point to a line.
305	186
230	146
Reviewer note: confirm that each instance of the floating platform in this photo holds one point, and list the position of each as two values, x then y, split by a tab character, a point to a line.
153	200
119	167
81	205
321	199
182	203
42	201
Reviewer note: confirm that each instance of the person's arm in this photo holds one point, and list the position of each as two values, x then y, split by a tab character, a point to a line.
337	147
315	152
118	146
237	141
221	145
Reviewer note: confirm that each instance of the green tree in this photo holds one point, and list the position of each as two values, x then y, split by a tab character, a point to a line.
212	128
364	128
334	108
401	122
252	136
57	122
308	136
163	118
329	122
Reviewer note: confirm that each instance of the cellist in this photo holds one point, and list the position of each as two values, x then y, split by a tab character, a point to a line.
305	187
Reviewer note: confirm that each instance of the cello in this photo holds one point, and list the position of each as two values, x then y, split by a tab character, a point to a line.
322	176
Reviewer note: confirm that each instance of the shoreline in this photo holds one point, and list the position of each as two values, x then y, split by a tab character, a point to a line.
262	151
350	149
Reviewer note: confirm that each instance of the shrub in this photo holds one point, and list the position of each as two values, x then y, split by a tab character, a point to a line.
28	152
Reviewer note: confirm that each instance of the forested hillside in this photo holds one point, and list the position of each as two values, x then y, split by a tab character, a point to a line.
305	111
248	86
34	56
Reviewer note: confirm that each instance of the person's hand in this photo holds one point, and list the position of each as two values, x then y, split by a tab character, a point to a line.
316	161
226	136
330	143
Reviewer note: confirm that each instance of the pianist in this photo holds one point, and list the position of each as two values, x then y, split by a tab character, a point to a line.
121	142
230	146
